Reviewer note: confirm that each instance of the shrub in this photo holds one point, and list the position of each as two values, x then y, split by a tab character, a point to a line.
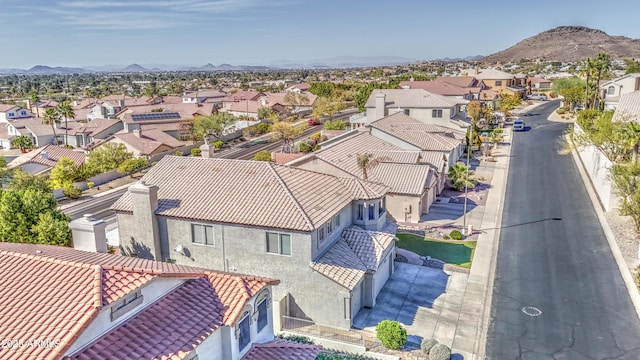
455	235
316	137
305	148
561	111
196	152
335	125
256	130
179	153
391	334
71	191
440	352
427	344
218	144
90	184
297	338
130	166
446	237
264	155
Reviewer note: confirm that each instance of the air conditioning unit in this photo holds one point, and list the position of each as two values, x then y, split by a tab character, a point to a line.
407	208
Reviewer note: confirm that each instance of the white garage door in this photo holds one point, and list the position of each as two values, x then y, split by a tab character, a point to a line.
382	275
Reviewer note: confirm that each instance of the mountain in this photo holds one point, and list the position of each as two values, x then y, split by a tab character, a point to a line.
466	58
344	62
568	43
135	68
48	70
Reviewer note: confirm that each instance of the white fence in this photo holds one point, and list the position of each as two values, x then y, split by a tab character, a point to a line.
597	166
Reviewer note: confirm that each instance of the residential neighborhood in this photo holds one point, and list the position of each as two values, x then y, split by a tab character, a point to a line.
460	208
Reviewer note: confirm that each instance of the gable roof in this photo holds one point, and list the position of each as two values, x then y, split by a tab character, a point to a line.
7	107
52	292
149	140
614	81
54	153
33	125
439	87
93	127
249	192
282	350
357	252
463	81
628	109
428	137
490	74
412	98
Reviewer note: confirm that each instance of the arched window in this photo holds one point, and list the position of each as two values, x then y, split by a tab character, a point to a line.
262	309
244	331
611	90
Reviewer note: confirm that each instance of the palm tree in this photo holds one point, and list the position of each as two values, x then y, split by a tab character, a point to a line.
366	162
34	98
458	176
51	117
632	133
65	109
602	64
586	71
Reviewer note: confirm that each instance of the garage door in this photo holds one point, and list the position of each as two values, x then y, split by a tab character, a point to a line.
381	275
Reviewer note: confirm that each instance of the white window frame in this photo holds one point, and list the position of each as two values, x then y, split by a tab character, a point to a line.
280	239
436	113
203	228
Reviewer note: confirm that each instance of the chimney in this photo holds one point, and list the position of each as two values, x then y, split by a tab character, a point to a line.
137	132
44	154
144	200
207	150
380	106
476	71
121	103
89	234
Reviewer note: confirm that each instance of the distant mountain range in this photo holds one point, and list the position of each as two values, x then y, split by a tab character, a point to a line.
336	62
568	43
468	58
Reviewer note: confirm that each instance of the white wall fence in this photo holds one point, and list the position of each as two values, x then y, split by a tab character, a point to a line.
597	166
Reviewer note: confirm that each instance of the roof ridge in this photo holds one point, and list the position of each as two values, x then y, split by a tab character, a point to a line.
284	186
52	260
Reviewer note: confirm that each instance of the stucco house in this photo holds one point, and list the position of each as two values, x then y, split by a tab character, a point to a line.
413	183
420	104
65	303
499	80
44	159
39	133
202	96
327	238
612	90
11	112
83	133
628	108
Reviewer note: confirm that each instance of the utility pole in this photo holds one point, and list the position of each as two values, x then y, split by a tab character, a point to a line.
466	183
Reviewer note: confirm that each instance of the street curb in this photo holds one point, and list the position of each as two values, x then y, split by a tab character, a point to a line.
615	250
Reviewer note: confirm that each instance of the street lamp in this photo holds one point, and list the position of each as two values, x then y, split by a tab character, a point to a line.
466	183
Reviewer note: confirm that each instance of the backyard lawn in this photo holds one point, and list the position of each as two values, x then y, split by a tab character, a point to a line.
454	252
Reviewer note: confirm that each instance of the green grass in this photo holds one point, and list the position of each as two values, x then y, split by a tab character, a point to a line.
458	253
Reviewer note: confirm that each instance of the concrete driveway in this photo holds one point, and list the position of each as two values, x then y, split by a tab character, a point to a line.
425	300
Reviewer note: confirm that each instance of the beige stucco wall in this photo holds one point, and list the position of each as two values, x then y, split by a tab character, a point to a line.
396	207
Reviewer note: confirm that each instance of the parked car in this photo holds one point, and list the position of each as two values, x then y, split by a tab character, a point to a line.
541	97
313	122
518	125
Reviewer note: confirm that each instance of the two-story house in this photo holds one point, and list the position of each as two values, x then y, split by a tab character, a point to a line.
420	104
612	90
203	96
327	238
63	303
44	159
499	80
11	112
413	183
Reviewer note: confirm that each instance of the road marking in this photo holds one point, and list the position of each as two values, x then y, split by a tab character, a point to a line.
532	311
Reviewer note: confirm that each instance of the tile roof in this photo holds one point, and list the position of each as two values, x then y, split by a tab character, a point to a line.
149	140
408	179
283	158
282	350
463	81
357	252
628	107
434	158
52	292
33	125
437	87
54	153
413	98
428	137
187	111
7	107
93	127
537	80
488	74
250	192
204	93
243	95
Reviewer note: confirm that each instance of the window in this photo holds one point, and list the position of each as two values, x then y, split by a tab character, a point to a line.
337	220
372	212
498	82
244	328
263	317
23	113
125	305
202	234
381	206
436	113
611	90
11	114
279	243
321	234
330	226
360	212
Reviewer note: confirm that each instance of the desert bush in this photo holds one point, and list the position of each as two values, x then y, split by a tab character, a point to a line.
196	152
218	144
71	191
391	334
455	235
179	153
561	111
335	125
427	344
90	184
264	155
440	352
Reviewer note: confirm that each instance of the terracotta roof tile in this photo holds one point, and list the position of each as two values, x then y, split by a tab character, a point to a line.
249	192
413	98
282	350
628	108
52	292
427	137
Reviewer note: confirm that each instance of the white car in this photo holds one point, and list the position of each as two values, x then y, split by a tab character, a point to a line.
541	97
518	125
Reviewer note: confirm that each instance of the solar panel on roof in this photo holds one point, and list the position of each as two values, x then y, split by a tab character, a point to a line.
155	116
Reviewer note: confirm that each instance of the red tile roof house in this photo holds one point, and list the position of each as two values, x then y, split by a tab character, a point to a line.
326	238
62	303
414	183
42	160
420	104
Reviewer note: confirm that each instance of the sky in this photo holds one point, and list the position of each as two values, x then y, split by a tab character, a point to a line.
266	32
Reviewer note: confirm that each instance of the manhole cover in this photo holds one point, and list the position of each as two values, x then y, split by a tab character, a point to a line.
532	311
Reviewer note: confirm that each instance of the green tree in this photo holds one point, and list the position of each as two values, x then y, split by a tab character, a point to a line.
52	228
632	66
367	161
508	102
34	99
22	142
322	88
286	132
65	172
294	99
130	166
107	157
212	125
328	107
601	65
267	113
65	110
22	181
264	155
458	177
587	69
52	117
631	131
572	95
559	84
626	178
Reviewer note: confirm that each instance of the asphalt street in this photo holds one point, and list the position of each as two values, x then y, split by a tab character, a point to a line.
558	293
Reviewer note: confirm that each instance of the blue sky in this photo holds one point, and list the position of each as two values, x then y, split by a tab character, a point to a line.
196	32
